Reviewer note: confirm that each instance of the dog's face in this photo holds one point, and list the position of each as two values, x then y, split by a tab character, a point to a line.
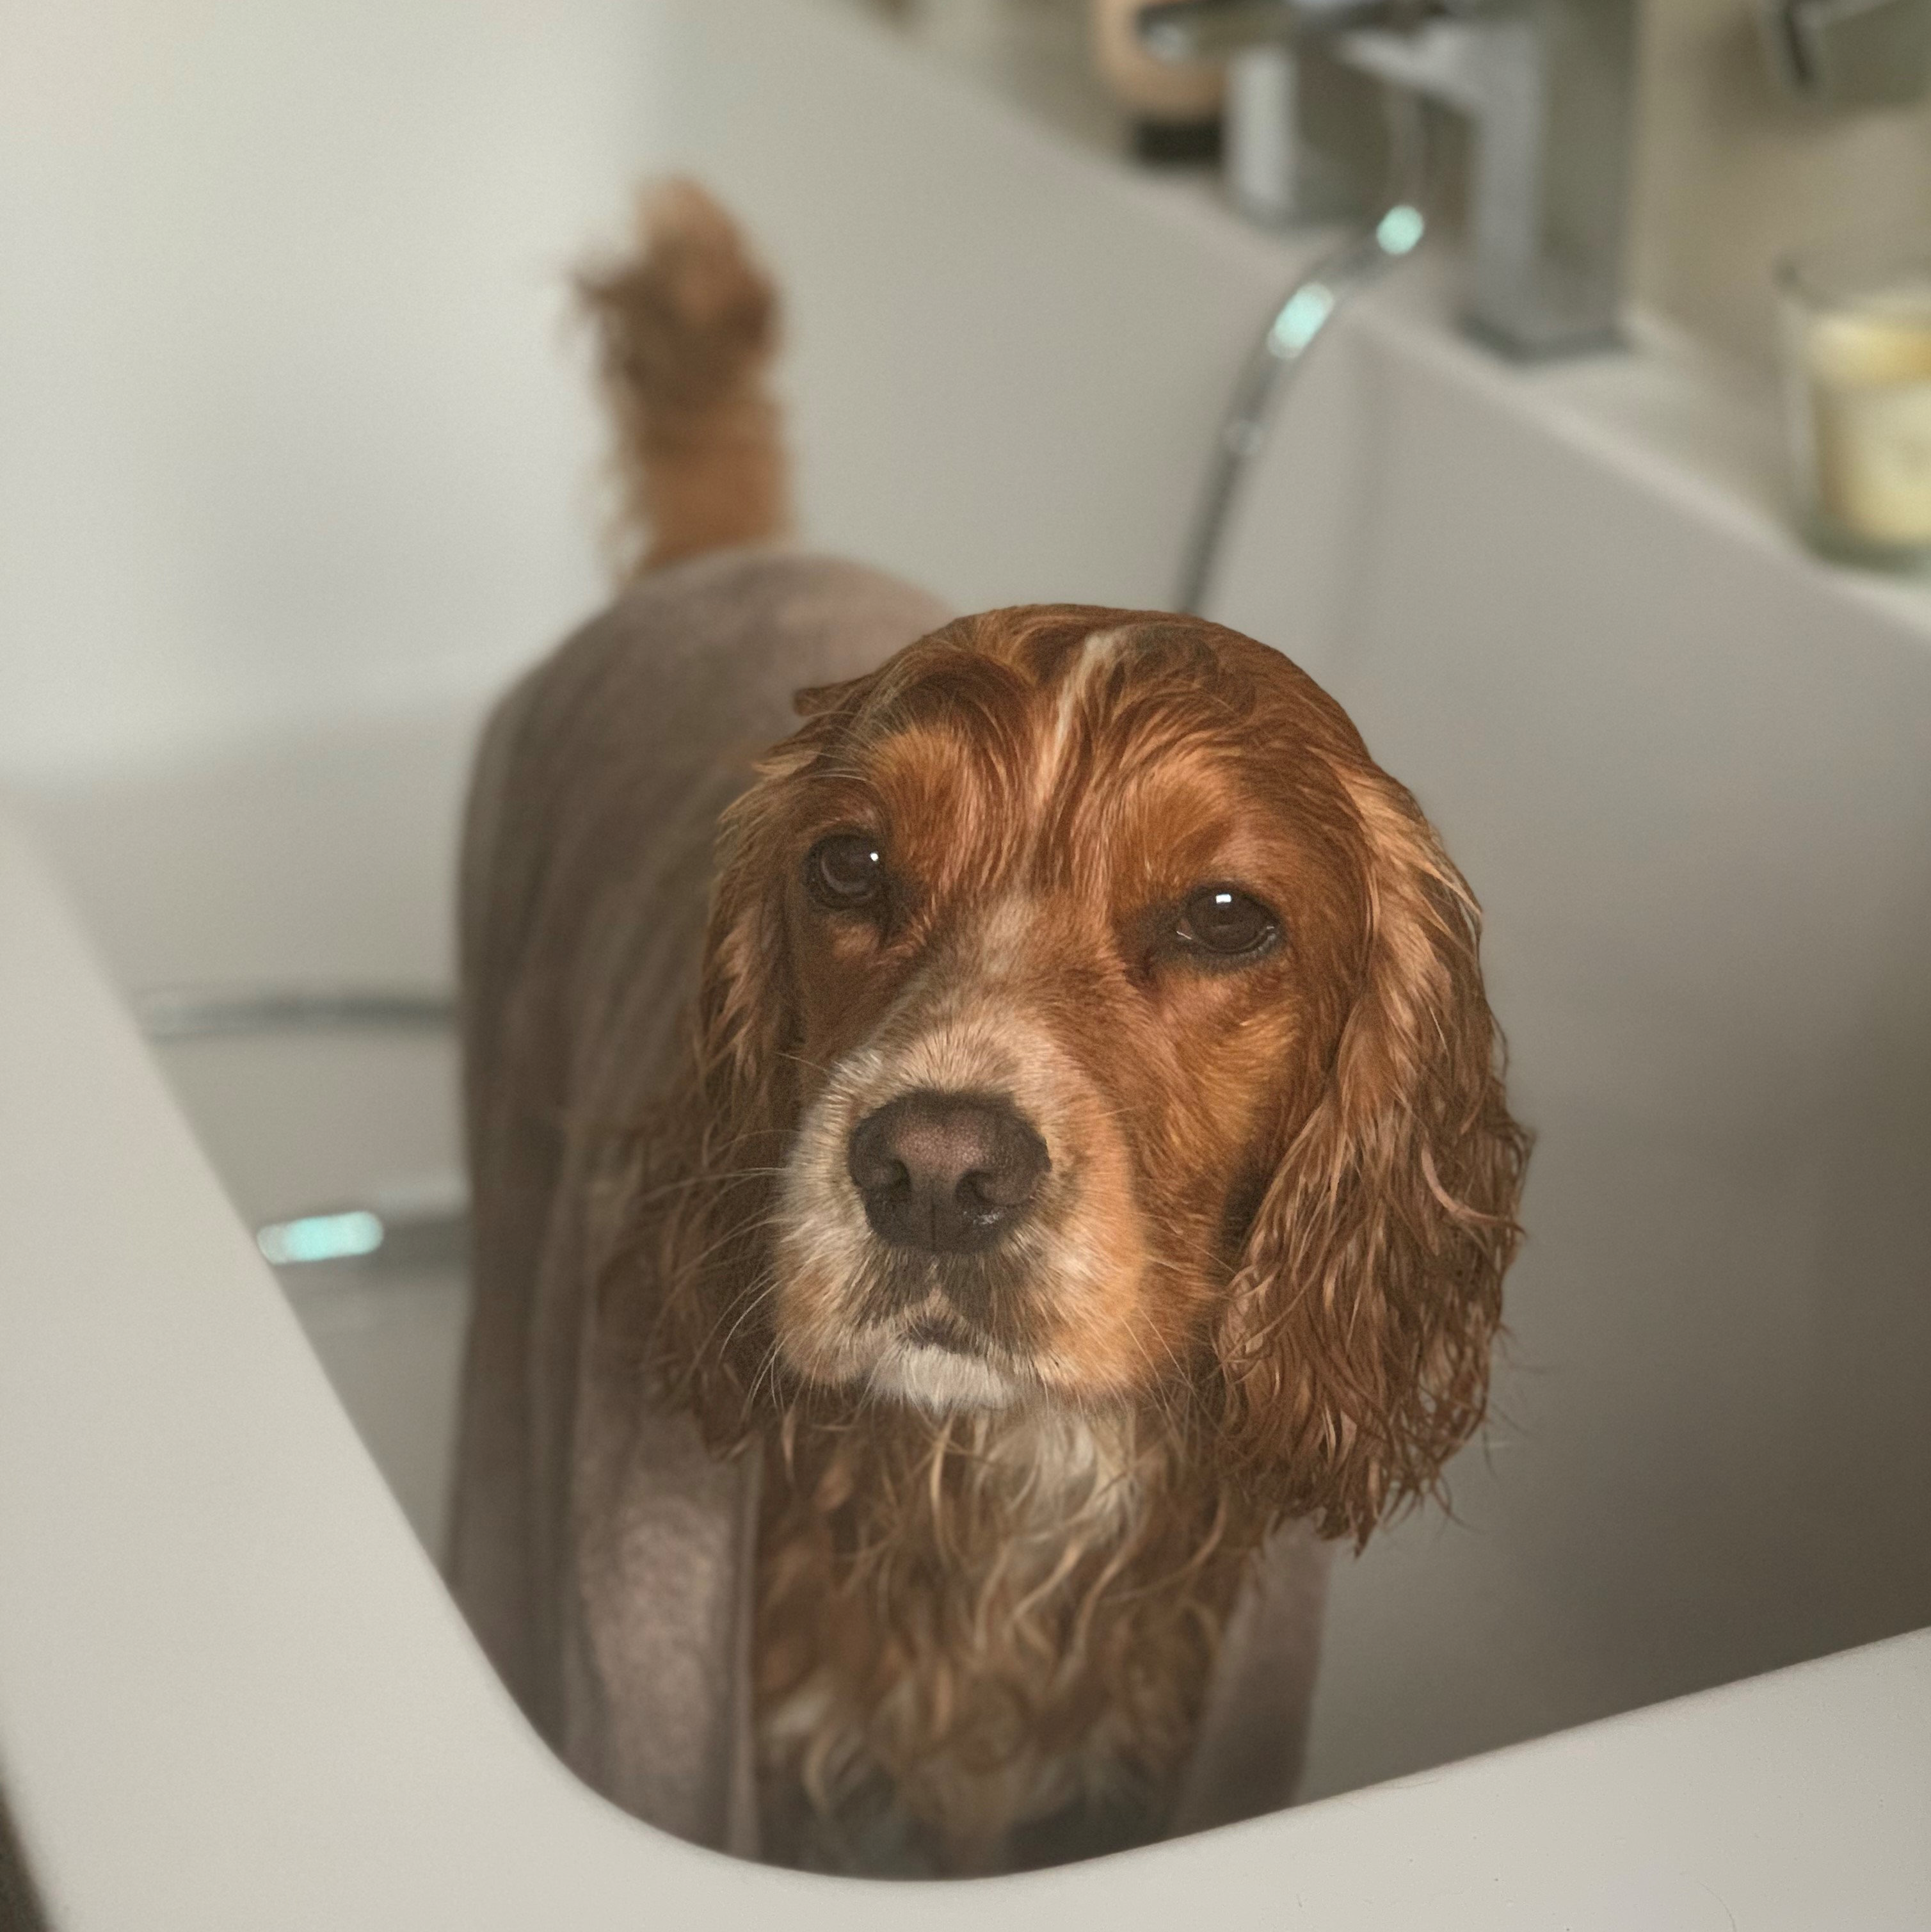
1065	952
1086	973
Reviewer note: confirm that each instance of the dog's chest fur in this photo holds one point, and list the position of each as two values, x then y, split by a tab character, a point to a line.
981	1643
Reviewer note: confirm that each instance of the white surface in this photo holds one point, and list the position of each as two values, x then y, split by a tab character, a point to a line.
1688	769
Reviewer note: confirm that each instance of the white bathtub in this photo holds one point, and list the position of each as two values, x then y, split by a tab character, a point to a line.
321	477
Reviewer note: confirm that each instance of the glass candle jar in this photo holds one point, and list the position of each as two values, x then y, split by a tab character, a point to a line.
1857	351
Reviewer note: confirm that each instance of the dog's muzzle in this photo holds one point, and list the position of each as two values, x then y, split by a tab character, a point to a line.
946	1173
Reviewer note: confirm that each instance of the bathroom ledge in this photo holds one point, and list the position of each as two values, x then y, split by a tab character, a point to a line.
1684	421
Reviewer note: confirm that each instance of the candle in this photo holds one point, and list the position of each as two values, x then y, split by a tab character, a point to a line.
1870	397
1858	368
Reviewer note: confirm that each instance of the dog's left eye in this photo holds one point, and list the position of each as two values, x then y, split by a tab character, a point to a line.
1221	920
846	872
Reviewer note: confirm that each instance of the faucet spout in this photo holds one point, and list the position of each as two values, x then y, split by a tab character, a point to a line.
1548	85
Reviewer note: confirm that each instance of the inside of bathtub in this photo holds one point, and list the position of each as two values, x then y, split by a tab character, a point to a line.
1708	1424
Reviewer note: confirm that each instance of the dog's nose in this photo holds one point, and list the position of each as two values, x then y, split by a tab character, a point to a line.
947	1172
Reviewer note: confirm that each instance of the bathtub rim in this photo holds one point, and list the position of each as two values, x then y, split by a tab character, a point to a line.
199	1508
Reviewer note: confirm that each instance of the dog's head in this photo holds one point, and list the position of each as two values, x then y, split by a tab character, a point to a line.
1107	1029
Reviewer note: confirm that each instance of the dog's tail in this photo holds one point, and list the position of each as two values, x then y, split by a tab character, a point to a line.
687	328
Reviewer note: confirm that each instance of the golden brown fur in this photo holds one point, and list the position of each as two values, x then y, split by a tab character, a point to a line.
1261	1277
686	330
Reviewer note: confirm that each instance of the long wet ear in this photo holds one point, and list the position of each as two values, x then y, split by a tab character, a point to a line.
745	1011
1355	1349
722	1133
745	1014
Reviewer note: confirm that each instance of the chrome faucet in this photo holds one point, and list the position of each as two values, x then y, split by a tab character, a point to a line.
1548	86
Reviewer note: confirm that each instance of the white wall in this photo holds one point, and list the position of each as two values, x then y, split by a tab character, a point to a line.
286	407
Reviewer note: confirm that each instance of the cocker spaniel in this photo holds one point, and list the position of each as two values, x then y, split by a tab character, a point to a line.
1087	1169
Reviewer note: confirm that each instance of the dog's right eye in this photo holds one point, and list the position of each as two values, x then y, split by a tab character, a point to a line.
846	872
